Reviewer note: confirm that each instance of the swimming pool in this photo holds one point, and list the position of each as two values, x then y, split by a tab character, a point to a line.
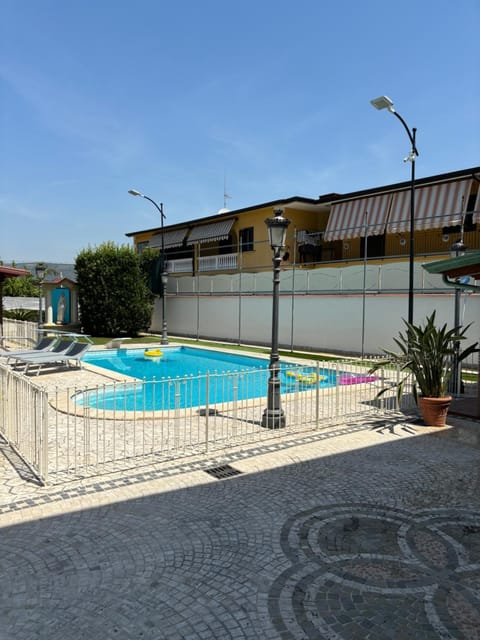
189	377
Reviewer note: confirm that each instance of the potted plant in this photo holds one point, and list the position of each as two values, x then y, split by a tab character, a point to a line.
428	353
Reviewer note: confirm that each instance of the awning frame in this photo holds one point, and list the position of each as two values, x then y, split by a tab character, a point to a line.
436	205
364	216
211	232
172	238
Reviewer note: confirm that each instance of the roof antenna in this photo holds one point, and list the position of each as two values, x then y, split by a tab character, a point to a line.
225	196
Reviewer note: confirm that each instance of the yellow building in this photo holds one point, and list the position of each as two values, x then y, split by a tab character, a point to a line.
332	229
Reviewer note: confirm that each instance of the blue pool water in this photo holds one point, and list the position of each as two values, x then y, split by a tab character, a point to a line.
177	379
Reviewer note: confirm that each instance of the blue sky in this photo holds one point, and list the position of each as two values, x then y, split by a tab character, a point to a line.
100	96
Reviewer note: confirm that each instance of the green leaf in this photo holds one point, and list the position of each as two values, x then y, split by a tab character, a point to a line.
428	352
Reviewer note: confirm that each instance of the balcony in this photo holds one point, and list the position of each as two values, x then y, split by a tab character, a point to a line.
224	262
183	265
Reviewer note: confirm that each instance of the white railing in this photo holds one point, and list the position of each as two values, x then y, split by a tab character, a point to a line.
18	332
218	263
65	433
24	419
183	265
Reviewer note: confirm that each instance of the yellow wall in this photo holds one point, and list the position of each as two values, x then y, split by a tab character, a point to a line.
262	252
430	241
426	242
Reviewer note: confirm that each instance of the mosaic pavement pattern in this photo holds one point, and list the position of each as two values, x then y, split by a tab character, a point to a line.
369	535
360	571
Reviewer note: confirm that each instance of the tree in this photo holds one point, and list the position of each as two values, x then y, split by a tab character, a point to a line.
151	263
23	286
112	291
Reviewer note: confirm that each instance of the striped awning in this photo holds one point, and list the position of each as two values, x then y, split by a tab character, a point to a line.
357	218
173	238
436	206
476	209
210	232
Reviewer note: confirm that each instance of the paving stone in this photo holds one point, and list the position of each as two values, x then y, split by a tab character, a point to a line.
365	534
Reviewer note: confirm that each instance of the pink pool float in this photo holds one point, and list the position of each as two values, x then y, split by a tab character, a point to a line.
352	378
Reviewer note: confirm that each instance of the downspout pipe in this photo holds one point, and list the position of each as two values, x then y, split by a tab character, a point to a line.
459	285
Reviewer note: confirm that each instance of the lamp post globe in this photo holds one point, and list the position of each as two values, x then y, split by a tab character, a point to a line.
274	416
458	248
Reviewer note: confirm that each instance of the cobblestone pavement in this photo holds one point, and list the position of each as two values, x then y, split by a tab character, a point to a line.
371	533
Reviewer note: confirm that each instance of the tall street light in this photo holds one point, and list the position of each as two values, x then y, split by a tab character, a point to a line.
383	102
273	416
164	275
40	270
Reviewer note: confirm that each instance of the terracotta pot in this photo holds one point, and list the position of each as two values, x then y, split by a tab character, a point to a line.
434	410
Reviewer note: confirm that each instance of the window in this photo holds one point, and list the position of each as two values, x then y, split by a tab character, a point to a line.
225	246
246	239
141	246
375	246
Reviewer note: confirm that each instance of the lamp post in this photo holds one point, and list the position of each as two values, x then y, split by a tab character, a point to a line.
164	275
457	249
365	256
40	270
273	416
383	102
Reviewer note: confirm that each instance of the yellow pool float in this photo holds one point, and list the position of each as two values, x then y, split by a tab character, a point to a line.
153	353
306	378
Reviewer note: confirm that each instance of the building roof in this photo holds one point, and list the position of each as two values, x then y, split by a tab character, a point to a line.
472	172
295	201
12	272
59	280
466	265
322	202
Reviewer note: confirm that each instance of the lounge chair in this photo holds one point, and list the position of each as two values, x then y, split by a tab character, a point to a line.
74	354
60	348
44	344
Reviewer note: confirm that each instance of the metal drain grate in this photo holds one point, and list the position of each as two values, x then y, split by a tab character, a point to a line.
225	471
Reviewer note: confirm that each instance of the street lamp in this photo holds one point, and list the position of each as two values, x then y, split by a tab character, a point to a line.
273	416
164	276
40	270
457	249
383	102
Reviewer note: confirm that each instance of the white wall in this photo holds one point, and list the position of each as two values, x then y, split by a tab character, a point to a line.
329	310
321	322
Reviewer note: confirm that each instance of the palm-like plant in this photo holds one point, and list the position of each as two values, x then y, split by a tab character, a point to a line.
428	352
26	315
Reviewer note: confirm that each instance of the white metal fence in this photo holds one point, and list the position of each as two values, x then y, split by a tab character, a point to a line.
23	334
71	432
24	419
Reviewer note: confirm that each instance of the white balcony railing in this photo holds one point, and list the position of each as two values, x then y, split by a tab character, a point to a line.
218	263
183	265
223	262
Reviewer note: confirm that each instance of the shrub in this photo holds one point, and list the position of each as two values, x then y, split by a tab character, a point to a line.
112	292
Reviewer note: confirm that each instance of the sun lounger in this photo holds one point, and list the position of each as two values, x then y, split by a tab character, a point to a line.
44	344
74	354
60	348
